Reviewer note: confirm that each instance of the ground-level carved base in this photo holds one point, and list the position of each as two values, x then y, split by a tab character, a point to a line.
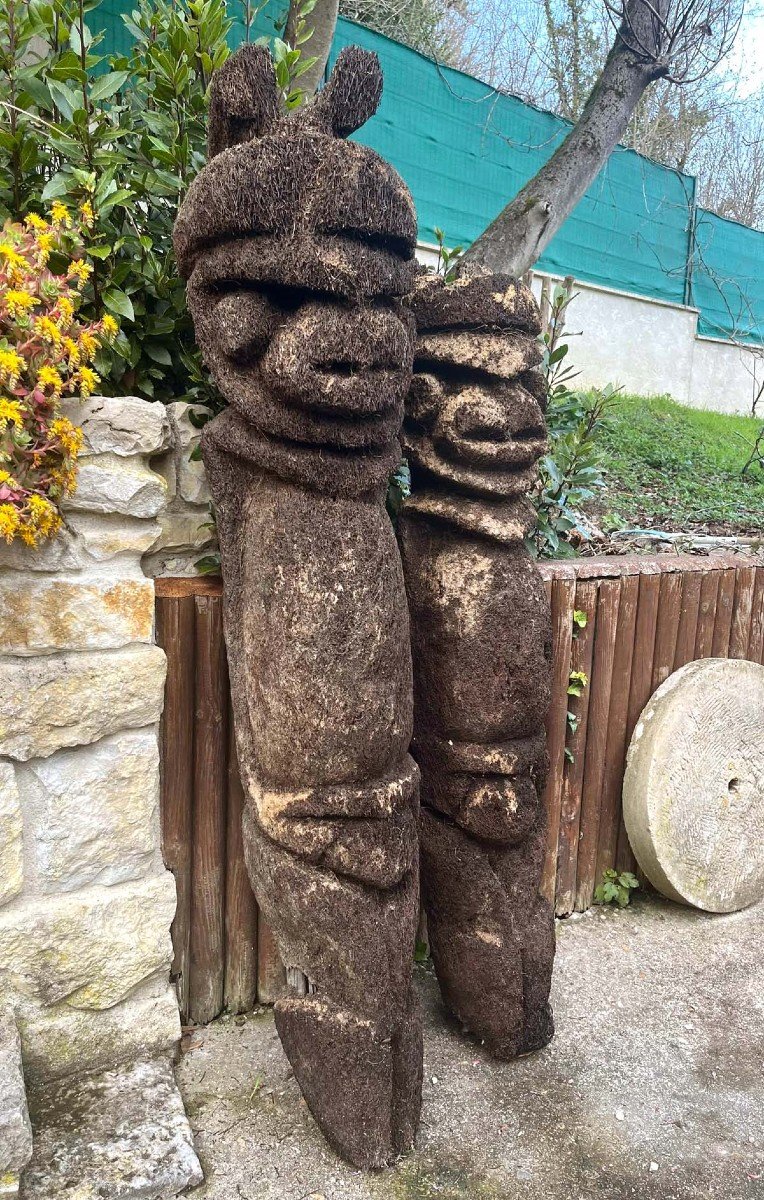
355	1042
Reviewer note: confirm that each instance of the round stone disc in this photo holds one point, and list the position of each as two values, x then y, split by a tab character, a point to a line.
693	792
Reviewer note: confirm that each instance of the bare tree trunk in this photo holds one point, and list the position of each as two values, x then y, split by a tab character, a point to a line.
517	237
322	21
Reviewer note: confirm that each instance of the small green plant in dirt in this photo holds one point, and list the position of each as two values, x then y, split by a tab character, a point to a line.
571	474
616	887
580	619
447	259
577	681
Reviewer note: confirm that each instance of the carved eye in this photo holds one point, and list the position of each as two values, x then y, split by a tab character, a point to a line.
424	400
244	323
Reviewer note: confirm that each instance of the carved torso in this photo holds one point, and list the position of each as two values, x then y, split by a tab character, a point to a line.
298	248
480	633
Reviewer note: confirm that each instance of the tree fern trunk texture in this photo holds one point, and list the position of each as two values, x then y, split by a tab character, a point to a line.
481	642
298	246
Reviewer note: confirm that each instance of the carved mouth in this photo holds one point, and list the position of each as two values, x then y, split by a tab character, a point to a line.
518	451
489	479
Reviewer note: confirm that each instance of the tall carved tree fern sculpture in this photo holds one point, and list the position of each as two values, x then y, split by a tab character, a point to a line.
481	639
297	246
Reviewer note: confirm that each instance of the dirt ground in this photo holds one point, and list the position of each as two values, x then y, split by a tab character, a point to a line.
652	1087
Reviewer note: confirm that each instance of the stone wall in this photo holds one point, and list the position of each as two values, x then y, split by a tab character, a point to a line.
185	534
85	901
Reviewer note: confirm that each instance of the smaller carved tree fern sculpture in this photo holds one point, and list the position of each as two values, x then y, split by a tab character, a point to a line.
297	246
480	629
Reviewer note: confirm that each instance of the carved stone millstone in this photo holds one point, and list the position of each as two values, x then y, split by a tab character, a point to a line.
693	792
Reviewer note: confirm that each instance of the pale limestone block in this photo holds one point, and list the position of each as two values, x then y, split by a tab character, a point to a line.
104	536
192	478
693	792
11	835
84	539
166	465
121	1135
91	611
89	948
109	483
60	553
15	1128
59	1040
172	565
61	700
92	814
125	425
183	531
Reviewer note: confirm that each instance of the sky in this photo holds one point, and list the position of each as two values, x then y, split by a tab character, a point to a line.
747	57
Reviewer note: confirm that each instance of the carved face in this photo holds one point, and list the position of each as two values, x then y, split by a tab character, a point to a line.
297	246
298	366
474	415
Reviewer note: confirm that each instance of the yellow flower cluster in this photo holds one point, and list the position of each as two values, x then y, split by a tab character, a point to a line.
46	353
19	302
11	413
11	366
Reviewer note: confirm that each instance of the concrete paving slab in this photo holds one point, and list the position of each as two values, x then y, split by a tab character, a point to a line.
653	1086
117	1135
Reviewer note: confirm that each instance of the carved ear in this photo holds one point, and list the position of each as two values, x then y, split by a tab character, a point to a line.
353	92
243	99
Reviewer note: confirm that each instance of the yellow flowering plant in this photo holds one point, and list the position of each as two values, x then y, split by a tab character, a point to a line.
46	352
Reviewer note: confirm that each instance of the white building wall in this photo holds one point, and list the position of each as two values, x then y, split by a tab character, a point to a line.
725	376
647	346
650	347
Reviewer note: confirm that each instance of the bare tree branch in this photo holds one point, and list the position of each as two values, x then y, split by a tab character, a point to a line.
656	39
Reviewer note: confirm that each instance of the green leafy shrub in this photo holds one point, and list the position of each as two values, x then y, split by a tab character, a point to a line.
616	888
572	472
119	141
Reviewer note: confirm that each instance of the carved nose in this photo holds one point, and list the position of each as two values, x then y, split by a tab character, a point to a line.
482	421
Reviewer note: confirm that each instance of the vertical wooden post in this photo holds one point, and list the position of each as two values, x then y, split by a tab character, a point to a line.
641	683
667	629
742	612
608	602
615	752
756	638
271	976
720	644
684	651
570	810
709	590
563	595
175	634
240	907
210	787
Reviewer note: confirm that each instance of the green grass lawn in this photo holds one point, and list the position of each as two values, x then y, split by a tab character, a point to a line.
673	468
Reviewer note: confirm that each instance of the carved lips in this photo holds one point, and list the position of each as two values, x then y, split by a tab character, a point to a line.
485	436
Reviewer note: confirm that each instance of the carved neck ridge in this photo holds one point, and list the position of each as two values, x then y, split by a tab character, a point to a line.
330	471
506	521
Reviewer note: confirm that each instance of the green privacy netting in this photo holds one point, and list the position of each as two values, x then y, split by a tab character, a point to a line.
465	150
728	278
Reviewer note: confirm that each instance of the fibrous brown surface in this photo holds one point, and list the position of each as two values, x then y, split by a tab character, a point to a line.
480	631
297	247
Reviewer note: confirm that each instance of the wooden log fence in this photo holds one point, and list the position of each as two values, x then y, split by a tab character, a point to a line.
645	618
